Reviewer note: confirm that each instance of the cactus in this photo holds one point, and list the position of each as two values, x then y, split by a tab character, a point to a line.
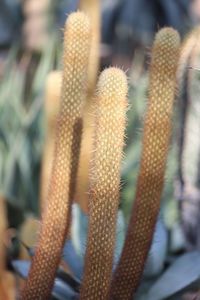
52	104
110	111
55	223
157	130
92	9
188	132
188	55
184	78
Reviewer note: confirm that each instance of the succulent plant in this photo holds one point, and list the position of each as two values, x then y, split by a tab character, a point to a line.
92	9
55	224
110	109
56	270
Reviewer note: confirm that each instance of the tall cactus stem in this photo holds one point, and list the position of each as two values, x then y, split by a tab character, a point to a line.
92	9
156	137
110	111
51	109
55	223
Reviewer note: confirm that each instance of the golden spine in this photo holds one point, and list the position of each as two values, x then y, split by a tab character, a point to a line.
3	227
110	112
156	137
55	224
92	9
51	109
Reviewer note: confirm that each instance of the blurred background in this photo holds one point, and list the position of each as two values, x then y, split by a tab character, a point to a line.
31	36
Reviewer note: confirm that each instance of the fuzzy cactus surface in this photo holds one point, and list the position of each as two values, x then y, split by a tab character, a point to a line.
52	104
110	116
92	9
156	138
55	222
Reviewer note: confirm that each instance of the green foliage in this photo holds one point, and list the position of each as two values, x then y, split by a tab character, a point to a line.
21	124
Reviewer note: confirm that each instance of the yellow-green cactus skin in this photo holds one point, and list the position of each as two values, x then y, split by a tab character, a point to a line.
55	223
51	108
110	115
92	9
156	138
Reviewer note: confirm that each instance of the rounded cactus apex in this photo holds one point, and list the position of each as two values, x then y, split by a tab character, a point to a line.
155	145
108	140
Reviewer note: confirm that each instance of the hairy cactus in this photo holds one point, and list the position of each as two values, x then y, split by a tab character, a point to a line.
92	9
110	109
52	104
156	136
184	80
55	220
188	132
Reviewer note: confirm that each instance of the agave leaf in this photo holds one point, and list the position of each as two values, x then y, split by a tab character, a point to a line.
21	267
182	275
120	236
79	233
61	290
158	251
72	259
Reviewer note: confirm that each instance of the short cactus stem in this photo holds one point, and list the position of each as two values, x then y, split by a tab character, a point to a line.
110	112
55	223
156	138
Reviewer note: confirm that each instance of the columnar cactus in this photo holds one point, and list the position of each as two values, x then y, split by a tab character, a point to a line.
188	132
110	109
55	222
156	136
92	9
184	74
51	108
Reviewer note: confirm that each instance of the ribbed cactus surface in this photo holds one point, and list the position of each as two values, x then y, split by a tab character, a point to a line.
55	221
156	136
110	111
